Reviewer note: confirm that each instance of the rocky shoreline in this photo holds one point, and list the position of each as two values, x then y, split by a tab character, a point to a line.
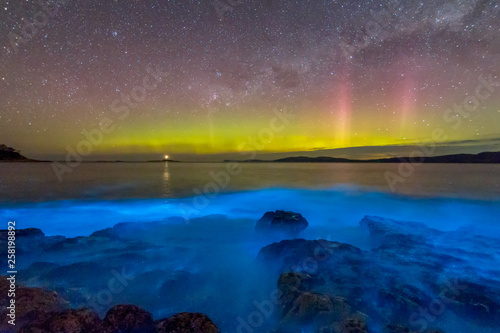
42	311
412	279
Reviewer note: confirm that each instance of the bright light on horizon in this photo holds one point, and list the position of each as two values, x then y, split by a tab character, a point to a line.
166	157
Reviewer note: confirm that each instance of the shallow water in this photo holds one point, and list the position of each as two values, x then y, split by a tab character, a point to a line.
336	208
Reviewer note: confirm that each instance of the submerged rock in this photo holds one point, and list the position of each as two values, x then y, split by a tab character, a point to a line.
29	241
391	328
289	223
311	256
475	302
302	307
307	306
350	325
28	232
105	233
186	322
353	325
324	283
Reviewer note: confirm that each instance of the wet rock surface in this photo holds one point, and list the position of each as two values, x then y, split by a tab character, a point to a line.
289	223
30	304
186	323
399	284
67	321
127	318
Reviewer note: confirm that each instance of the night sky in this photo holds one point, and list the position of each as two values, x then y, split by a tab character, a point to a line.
350	73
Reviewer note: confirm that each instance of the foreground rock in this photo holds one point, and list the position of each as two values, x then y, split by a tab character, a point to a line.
186	323
127	318
67	321
31	303
40	311
280	221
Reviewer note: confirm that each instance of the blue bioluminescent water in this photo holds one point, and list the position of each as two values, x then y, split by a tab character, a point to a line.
330	208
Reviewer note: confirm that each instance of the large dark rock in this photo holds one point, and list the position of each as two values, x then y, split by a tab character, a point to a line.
186	322
127	319
280	221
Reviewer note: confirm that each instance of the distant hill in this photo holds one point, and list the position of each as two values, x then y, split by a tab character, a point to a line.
321	159
9	154
301	159
487	157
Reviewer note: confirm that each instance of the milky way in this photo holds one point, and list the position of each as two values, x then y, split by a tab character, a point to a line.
186	77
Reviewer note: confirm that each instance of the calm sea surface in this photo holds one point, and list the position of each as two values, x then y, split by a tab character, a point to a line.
37	182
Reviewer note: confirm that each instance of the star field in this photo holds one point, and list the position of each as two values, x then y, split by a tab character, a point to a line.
353	73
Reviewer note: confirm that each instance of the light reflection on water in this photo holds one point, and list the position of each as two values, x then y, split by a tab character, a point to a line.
166	181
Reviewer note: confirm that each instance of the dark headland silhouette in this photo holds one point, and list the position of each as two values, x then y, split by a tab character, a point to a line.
9	154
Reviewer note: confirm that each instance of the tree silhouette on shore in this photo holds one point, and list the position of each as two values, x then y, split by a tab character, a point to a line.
8	153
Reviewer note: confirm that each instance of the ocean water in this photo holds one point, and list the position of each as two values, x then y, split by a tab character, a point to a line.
98	195
27	182
211	257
